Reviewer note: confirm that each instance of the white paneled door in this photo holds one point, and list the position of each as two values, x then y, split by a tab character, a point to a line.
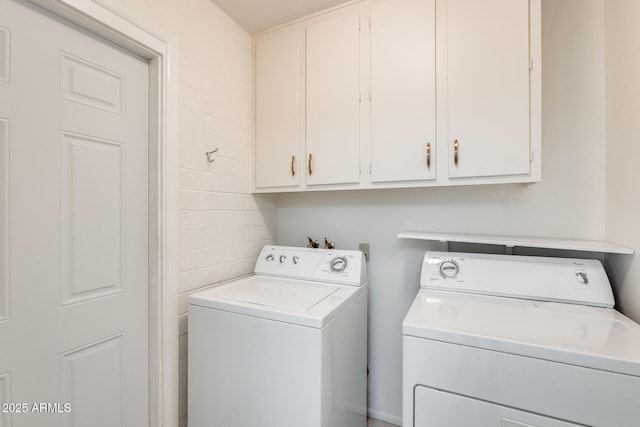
73	225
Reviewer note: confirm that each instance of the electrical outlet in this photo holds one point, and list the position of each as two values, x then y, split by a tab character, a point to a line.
364	247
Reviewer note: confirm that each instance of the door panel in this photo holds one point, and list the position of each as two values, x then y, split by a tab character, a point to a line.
333	103
101	362
488	87
279	110
92	212
4	218
77	207
92	85
403	90
5	397
5	45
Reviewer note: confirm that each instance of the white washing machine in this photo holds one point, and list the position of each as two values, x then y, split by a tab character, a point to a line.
514	341
286	347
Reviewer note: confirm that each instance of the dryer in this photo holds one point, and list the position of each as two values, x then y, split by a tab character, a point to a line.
516	341
285	347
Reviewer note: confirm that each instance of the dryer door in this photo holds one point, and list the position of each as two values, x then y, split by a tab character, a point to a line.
434	408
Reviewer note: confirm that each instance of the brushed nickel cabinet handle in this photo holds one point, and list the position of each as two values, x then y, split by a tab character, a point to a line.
310	158
455	152
293	171
428	155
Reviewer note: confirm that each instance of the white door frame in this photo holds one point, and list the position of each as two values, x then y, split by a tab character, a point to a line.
163	306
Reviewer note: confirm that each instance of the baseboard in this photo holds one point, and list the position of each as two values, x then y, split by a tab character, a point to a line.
383	416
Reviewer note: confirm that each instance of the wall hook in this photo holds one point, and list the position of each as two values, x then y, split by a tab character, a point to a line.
210	154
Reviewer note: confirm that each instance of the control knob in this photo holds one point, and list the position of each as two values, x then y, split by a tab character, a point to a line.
338	264
449	269
582	277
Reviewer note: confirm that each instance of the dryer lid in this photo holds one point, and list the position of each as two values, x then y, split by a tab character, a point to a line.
595	337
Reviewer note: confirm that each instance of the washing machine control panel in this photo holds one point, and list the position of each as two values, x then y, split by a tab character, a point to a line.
324	265
578	281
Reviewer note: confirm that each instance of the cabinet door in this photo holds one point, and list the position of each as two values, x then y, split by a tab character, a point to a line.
333	100
488	87
278	103
403	98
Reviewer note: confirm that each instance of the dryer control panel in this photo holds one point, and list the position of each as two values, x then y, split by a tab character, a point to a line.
341	266
577	281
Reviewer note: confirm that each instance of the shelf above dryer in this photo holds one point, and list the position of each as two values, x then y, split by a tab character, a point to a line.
509	242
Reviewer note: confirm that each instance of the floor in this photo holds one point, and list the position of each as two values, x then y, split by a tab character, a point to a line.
372	422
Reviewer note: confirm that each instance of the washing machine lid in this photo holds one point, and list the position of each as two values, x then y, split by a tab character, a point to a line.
301	302
271	292
594	337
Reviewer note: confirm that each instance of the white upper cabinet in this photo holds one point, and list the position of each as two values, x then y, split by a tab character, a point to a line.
400	93
488	90
333	100
403	91
279	110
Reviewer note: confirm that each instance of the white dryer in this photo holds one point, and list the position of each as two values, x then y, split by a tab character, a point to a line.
286	347
514	341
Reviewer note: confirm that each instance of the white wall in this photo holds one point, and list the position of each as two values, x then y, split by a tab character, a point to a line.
221	226
569	202
622	35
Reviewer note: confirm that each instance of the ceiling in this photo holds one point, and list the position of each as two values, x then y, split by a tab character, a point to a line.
258	15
